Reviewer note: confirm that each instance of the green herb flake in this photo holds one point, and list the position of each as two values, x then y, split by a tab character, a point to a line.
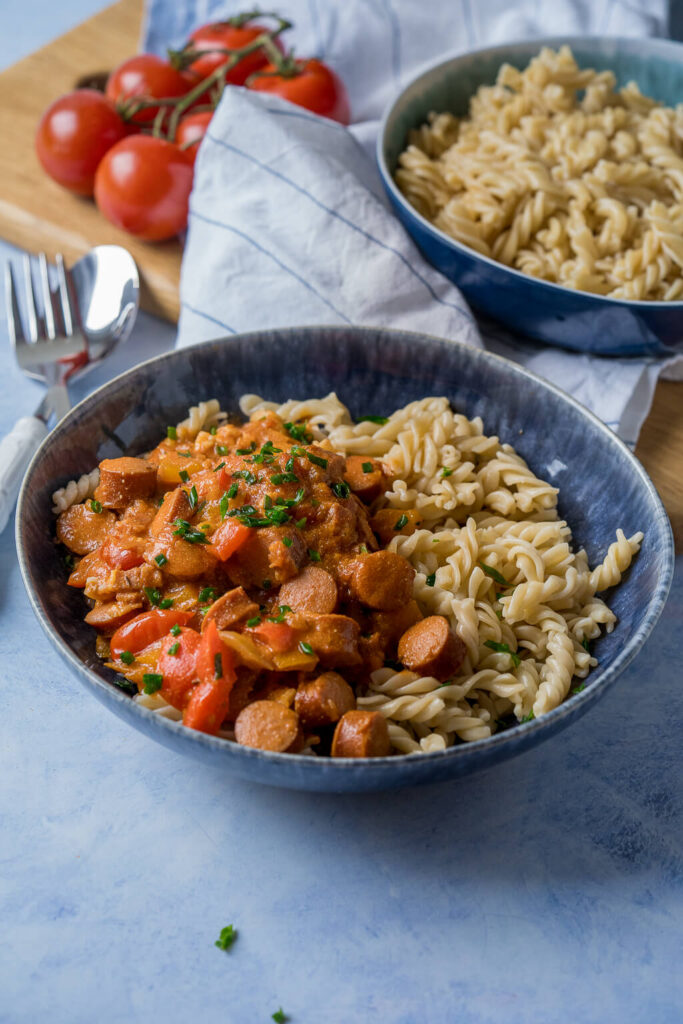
300	523
193	498
341	489
367	467
579	689
219	466
213	430
316	460
363	549
446	471
283	609
174	648
231	492
246	451
171	433
503	649
373	419
184	475
152	682
218	665
192	536
127	657
280	1017
185	455
166	603
401	522
431	579
222	449
225	499
305	648
314	555
494	574
226	938
585	644
528	718
255	621
287	541
96	506
160	559
207	595
298	432
153	595
175	630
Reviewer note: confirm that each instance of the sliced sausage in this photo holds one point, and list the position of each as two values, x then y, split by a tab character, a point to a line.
231	608
125	479
361	734
267	725
108	616
313	591
334	638
184	560
264	556
392	522
83	530
176	505
323	700
431	648
392	625
381	580
365	477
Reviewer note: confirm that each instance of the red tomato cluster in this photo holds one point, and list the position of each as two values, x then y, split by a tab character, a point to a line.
133	148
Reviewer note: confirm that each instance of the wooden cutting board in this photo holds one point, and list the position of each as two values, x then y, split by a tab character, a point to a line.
37	214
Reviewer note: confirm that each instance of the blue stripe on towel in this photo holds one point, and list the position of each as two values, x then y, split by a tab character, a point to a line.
334	213
207	316
272	256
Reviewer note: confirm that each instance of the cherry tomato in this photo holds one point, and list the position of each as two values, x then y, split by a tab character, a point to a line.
73	135
118	556
178	669
143	186
277	635
144	629
191	131
146	76
209	702
316	87
229	538
215	660
228	36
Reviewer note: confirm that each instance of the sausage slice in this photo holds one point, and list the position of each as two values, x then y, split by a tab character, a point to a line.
361	734
125	479
108	616
382	580
267	725
431	648
334	638
230	608
176	505
313	591
83	530
391	522
365	477
323	700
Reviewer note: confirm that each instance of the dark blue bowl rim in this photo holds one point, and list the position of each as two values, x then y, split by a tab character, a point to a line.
663	45
379	766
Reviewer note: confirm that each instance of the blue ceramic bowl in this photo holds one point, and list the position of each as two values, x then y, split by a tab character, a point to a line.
549	312
602	487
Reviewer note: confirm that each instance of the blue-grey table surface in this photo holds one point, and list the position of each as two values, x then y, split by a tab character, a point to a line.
545	890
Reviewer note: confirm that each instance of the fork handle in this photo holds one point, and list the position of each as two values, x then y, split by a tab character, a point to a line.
16	450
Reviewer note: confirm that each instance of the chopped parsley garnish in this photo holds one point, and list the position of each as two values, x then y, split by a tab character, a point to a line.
69	560
246	451
175	630
528	718
314	555
585	644
213	430
160	559
289	465
494	574
152	682
166	603
367	467
305	648
580	688
222	449
401	522
284	478
503	649
300	523
219	466
188	533
246	475
127	687
171	433
287	541
363	549
184	475
283	609
341	489
185	455
316	460
446	471
194	498
127	657
295	451
225	499
226	938
174	648
231	492
373	419
153	595
96	506
218	664
207	595
431	579
280	1017
298	432
255	621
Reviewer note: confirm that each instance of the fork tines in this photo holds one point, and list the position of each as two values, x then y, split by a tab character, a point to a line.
44	326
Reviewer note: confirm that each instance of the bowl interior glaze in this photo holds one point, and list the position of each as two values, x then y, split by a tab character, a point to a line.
373	371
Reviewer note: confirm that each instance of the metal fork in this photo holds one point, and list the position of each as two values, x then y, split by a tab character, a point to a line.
47	351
